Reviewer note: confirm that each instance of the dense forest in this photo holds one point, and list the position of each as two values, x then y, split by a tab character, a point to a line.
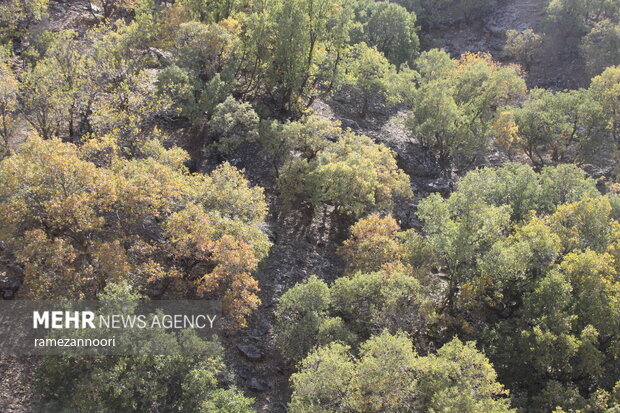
403	206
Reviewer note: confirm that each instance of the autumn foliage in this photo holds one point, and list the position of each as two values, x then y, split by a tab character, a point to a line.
77	227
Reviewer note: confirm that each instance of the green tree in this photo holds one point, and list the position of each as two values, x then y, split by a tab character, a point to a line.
563	184
563	126
295	49
369	71
601	47
124	103
16	15
429	12
187	377
435	64
514	184
574	18
63	52
388	27
204	49
233	123
447	381
602	113
45	102
353	175
174	83
522	46
210	11
548	310
459	230
307	137
530	258
389	376
203	61
372	302
467	232
312	314
299	314
565	335
526	255
548	125
384	378
595	292
455	104
9	89
303	322
321	384
97	85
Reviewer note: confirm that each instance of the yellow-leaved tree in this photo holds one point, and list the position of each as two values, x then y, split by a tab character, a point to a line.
76	226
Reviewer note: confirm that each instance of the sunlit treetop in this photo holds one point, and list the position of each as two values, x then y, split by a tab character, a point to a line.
76	226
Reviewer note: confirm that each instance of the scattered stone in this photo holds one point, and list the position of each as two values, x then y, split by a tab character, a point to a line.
244	373
350	123
492	28
272	235
442	185
250	352
494	159
311	239
594	171
262	327
161	55
17	270
11	279
416	161
256	385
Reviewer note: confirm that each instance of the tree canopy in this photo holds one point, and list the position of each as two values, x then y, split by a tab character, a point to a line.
77	226
389	376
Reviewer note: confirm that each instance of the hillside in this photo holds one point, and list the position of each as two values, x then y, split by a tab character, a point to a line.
234	150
